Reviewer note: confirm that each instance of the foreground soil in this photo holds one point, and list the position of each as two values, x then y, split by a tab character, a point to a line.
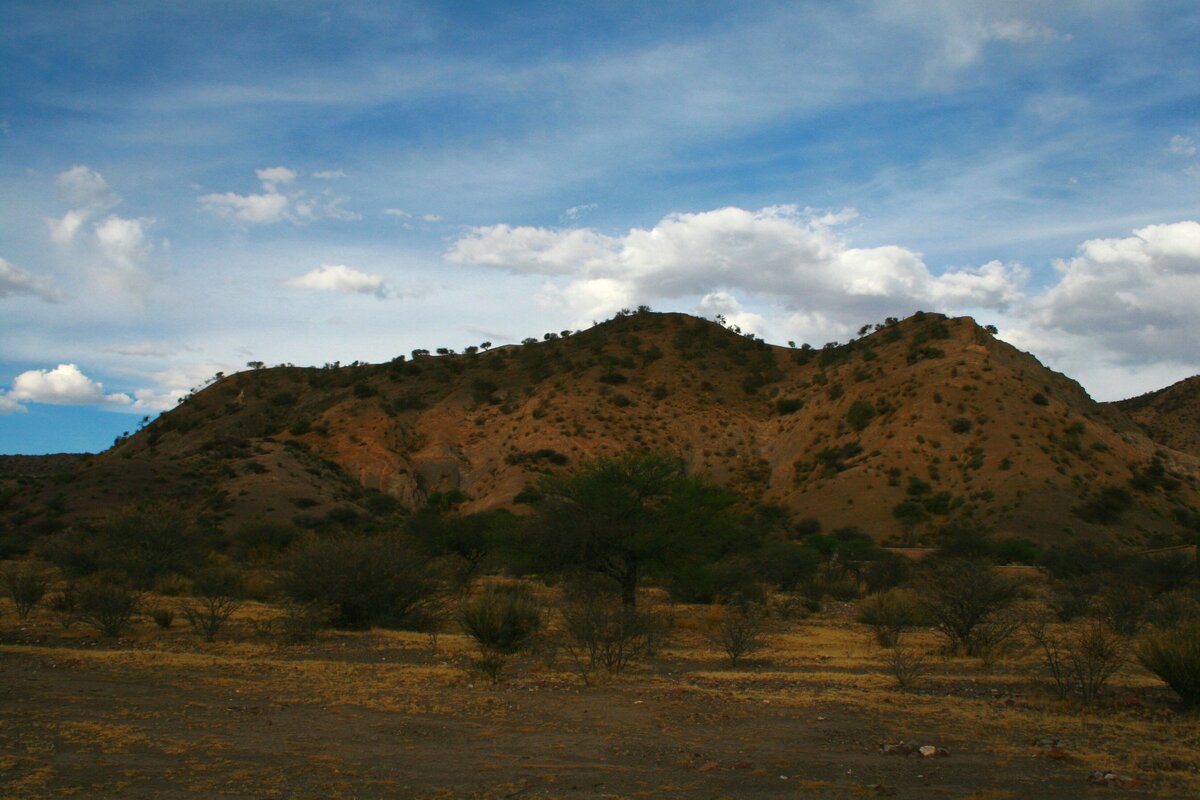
382	715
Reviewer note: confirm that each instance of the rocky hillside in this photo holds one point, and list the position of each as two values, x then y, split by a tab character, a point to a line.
1170	416
914	424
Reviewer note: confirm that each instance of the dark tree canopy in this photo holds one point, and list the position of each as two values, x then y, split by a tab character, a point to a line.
623	515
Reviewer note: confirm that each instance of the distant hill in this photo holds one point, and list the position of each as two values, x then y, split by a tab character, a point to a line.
897	432
1170	416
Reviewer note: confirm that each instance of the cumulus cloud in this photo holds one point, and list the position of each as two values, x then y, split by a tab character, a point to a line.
88	194
114	251
1136	295
82	187
794	256
342	279
63	385
10	406
279	201
15	281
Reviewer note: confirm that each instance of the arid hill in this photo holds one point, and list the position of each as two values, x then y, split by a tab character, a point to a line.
917	423
1170	416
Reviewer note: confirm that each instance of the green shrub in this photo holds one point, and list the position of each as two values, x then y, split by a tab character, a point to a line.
1174	656
364	581
860	414
163	617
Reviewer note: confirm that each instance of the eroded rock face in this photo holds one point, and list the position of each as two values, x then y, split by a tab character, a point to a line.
438	475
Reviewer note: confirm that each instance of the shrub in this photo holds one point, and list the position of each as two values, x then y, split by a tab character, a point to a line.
907	665
739	631
1083	658
788	405
890	612
1174	656
163	617
502	620
860	414
364	581
108	604
26	585
966	599
302	622
209	614
65	606
602	633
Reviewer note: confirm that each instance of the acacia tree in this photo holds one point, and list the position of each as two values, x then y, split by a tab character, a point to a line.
620	516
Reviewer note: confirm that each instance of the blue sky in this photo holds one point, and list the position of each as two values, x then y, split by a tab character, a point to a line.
188	187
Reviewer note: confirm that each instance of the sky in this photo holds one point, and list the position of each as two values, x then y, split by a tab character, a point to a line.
189	187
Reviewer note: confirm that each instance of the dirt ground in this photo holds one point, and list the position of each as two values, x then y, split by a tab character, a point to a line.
382	715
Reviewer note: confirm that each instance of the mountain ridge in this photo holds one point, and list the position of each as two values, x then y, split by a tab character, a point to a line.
913	425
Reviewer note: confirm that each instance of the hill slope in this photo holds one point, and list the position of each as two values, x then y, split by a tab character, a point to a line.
1170	416
898	432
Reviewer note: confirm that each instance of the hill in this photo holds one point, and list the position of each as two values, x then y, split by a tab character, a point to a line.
1170	416
914	424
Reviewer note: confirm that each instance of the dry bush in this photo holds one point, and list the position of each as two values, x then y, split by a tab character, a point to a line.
891	611
302	622
907	665
65	606
108	604
603	635
209	614
1174	656
739	630
967	599
1081	658
26	584
502	620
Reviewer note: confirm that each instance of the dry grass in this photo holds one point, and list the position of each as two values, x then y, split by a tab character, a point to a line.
823	668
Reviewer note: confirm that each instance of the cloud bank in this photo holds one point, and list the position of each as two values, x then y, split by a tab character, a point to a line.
795	257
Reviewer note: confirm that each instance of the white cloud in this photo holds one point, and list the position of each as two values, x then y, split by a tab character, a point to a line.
1182	146
10	406
84	188
728	307
63	385
431	217
397	212
575	212
114	251
272	177
279	201
152	401
63	231
329	174
342	279
1136	296
252	209
781	252
88	194
15	281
